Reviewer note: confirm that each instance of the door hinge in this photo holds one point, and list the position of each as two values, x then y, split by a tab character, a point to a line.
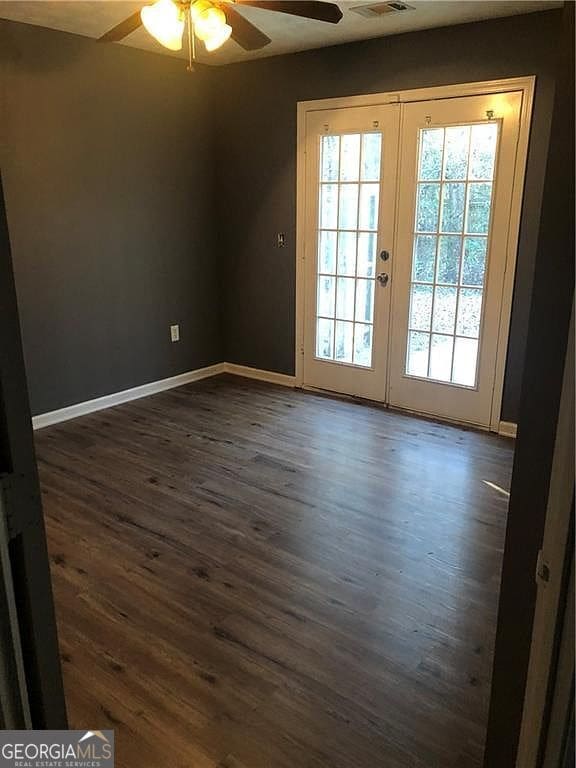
542	569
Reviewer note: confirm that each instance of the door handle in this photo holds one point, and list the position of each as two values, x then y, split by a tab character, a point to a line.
383	278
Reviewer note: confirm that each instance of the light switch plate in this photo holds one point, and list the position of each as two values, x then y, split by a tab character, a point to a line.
175	332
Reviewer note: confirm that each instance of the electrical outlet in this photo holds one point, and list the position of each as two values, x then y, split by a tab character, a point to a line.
175	333
281	240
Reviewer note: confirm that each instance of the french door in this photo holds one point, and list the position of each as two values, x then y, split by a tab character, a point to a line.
407	227
454	201
351	189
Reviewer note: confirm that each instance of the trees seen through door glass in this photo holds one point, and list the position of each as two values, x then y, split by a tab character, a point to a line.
450	243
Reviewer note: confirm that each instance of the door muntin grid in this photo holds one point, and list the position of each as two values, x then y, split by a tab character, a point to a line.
348	205
453	211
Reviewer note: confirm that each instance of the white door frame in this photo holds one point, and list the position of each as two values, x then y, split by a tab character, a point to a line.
491	87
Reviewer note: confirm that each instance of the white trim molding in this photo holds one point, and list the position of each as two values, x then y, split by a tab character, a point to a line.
99	403
272	377
479	88
507	429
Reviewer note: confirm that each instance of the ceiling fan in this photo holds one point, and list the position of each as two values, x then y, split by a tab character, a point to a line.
215	21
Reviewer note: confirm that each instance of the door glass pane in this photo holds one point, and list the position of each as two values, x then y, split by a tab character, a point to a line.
325	339
456	152
465	356
456	170
345	299
431	152
421	307
418	348
444	309
364	301
366	254
346	253
349	181
369	194
469	309
343	342
326	296
350	158
330	158
348	209
424	258
328	206
371	148
474	265
362	344
428	207
453	207
449	259
483	151
327	252
441	357
478	209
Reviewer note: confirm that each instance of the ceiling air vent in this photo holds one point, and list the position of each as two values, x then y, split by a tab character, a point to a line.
381	9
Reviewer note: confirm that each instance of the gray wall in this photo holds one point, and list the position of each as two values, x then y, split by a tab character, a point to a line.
108	174
257	169
139	196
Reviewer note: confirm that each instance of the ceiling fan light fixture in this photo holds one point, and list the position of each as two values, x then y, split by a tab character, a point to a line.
209	23
218	39
165	22
197	7
215	21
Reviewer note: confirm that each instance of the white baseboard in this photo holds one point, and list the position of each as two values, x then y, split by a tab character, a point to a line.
508	429
272	377
98	404
116	398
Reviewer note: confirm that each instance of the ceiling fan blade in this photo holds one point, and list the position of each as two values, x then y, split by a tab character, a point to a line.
123	29
244	32
309	9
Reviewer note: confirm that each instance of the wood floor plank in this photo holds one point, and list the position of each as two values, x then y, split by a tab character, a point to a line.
252	577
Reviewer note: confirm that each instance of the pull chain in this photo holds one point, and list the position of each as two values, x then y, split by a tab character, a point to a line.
191	44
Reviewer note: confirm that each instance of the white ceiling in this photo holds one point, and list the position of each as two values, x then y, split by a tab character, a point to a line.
288	33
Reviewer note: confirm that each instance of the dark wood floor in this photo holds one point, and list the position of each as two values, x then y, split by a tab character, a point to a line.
251	577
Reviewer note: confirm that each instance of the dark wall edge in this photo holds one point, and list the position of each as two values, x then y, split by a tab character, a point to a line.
31	572
552	298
